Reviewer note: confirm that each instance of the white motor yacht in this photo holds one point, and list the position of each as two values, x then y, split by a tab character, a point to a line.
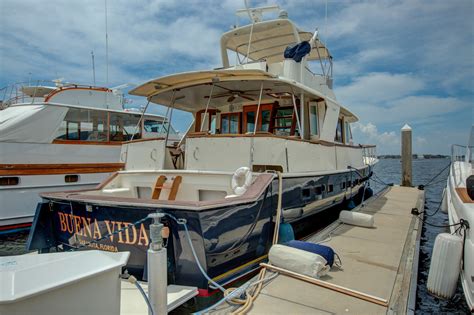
61	137
267	131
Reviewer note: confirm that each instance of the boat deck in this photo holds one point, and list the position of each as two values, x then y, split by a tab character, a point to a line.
380	261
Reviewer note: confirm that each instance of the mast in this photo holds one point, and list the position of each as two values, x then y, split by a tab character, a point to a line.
106	49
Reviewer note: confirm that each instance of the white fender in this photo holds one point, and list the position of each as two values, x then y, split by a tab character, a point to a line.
445	265
356	218
241	180
444	201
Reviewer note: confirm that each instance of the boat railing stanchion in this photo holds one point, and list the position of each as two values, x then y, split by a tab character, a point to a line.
157	268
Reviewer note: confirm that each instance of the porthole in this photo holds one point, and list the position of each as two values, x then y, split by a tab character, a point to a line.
318	190
306	193
9	181
71	178
330	188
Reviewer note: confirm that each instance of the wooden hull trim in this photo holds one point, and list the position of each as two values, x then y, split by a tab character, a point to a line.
58	169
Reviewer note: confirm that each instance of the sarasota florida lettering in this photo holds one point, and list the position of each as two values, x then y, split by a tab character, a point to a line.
91	228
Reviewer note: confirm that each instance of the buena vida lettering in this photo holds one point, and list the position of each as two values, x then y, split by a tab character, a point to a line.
92	229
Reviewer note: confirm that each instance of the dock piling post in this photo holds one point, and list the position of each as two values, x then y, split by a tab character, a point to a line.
406	156
157	268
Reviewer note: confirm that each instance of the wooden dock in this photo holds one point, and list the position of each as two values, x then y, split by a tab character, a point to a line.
381	262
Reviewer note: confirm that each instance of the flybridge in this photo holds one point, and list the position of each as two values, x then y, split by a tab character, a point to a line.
267	40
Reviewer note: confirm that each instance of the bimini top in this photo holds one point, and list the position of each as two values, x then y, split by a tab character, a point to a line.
228	86
268	40
176	81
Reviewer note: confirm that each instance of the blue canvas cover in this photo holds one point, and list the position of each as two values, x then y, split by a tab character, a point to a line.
322	250
297	51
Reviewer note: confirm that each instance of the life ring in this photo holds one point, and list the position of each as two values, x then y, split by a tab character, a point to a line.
241	180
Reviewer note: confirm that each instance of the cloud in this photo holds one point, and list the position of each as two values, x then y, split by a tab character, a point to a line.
375	88
369	133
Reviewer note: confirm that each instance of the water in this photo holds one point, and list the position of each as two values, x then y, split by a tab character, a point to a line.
389	172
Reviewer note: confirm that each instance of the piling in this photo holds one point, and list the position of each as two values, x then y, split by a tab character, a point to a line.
406	156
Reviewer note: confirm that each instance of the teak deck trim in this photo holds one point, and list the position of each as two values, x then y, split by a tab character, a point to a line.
463	195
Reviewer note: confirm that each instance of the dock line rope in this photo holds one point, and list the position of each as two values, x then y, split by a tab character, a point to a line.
430	182
427	214
461	222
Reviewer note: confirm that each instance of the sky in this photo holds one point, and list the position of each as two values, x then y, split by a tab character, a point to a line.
395	62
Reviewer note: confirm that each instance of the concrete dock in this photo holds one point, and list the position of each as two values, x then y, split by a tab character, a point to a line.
381	262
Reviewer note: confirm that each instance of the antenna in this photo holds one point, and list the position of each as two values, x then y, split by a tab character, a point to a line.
106	49
93	66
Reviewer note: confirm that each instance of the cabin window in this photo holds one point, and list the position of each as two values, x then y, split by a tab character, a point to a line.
264	168
283	121
71	178
313	119
339	136
330	188
343	185
123	127
153	126
84	125
209	121
230	123
9	181
265	125
250	121
264	122
348	132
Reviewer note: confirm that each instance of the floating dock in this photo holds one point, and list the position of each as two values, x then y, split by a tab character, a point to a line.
380	263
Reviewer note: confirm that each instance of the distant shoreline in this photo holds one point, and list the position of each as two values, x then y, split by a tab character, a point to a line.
416	156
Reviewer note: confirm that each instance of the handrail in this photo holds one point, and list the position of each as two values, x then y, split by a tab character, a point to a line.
12	94
461	153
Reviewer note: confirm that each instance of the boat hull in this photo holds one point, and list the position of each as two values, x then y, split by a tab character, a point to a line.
228	240
460	209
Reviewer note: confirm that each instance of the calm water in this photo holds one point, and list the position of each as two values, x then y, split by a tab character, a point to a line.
389	172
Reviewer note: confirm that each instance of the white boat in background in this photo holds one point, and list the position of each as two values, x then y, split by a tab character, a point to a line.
62	137
460	204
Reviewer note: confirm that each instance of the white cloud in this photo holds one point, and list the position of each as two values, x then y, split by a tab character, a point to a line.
375	88
368	133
